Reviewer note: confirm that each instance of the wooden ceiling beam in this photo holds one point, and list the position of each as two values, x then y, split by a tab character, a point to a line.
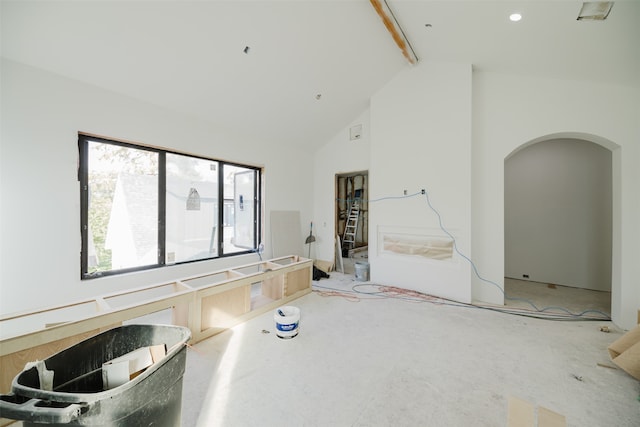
389	21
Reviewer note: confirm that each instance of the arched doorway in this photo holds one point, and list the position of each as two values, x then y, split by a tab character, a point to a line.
558	203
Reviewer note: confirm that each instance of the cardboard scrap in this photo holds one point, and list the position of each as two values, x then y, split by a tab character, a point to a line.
625	352
520	413
122	369
548	418
44	375
158	352
326	266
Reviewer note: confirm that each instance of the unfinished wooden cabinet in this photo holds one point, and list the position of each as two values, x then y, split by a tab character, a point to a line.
207	304
224	300
294	282
218	311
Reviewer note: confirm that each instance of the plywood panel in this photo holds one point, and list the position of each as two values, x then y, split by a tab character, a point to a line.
286	237
180	315
273	288
219	310
297	281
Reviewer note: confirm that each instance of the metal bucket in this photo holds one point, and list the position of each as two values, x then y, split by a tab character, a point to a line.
362	271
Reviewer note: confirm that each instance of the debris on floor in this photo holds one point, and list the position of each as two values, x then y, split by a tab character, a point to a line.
523	413
326	266
606	366
319	274
625	352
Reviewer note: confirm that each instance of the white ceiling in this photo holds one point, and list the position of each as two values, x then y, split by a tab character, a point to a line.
188	56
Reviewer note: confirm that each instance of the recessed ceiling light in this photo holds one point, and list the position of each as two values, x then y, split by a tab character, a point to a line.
595	10
515	17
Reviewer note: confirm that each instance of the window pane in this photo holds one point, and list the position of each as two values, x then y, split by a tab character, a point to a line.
123	207
191	208
240	209
122	210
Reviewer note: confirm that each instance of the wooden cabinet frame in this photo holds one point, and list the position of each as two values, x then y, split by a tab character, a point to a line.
206	304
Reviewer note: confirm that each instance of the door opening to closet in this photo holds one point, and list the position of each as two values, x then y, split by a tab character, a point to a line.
352	219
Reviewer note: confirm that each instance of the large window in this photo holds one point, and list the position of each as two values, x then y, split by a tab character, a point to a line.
143	207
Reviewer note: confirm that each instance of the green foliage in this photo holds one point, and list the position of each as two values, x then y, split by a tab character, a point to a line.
107	162
101	195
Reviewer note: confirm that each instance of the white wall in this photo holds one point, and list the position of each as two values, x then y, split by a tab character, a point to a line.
40	201
511	111
558	214
339	155
421	139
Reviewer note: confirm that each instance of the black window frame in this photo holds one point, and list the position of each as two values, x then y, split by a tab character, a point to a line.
83	178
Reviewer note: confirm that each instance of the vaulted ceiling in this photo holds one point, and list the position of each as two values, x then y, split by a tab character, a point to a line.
297	72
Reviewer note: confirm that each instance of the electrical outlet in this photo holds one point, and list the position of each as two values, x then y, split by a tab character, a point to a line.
171	257
526	276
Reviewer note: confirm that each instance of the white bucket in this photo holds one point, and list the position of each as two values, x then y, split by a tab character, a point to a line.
287	319
362	271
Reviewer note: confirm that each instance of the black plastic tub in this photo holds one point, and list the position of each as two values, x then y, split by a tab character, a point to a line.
77	396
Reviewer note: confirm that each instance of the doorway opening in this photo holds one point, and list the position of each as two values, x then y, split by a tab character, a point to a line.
352	219
558	225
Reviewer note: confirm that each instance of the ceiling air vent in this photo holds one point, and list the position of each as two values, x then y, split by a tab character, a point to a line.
595	10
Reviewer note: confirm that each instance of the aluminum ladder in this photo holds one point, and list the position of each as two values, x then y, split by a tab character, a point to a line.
350	229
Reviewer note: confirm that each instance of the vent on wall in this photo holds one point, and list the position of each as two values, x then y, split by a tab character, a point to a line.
595	10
